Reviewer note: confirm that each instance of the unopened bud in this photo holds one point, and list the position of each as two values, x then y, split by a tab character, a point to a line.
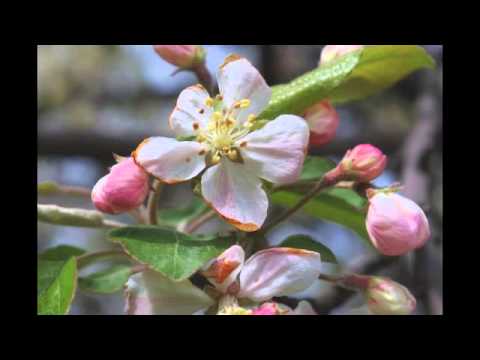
362	164
183	56
322	118
387	297
332	52
123	189
395	224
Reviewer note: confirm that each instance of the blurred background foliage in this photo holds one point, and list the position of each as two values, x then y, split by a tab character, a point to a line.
97	100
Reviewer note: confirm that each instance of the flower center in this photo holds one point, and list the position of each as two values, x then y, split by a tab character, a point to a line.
223	129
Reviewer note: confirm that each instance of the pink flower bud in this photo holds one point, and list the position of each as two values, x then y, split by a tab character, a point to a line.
387	297
183	56
363	163
331	52
123	189
322	119
269	308
396	224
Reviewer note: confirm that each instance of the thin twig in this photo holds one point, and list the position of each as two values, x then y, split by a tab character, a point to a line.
113	224
323	184
199	221
153	202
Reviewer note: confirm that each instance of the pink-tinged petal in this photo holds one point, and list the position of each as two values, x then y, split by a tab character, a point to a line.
276	152
278	272
170	160
222	271
332	52
303	308
150	293
123	189
238	79
395	224
271	308
191	113
236	194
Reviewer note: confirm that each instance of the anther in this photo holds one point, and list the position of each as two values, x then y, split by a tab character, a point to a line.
244	103
209	102
232	154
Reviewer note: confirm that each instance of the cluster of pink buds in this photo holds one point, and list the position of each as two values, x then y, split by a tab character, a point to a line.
123	189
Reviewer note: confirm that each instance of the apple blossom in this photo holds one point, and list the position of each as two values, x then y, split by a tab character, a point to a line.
183	56
322	118
331	52
267	273
236	157
123	189
387	297
363	163
395	224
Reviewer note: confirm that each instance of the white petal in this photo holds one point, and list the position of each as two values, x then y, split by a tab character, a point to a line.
276	152
303	308
223	270
236	195
238	79
170	160
278	272
150	293
191	113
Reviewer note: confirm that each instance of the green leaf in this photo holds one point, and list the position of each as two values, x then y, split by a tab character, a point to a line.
106	281
307	243
340	206
173	254
315	167
61	252
380	67
306	90
178	216
353	76
56	282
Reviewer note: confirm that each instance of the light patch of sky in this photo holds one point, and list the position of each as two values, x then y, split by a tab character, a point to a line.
157	73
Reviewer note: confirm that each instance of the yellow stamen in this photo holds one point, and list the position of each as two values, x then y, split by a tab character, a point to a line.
232	154
251	118
209	102
244	103
215	159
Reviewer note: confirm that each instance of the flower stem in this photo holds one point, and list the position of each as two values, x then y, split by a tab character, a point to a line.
199	221
324	183
347	281
204	77
153	202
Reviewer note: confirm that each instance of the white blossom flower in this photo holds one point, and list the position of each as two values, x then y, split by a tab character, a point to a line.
237	157
266	274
